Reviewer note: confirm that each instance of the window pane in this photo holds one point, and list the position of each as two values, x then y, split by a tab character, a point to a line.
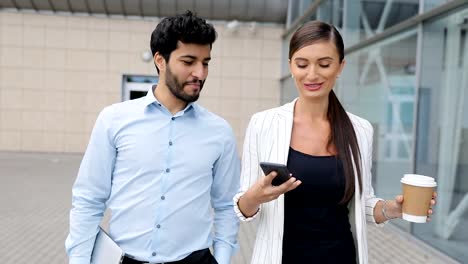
365	18
377	85
431	4
442	146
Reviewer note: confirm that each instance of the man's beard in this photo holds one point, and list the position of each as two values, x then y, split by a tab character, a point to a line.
177	88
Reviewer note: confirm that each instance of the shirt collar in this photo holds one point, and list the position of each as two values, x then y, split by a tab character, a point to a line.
151	99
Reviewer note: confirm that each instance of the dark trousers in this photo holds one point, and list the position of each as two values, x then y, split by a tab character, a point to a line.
197	257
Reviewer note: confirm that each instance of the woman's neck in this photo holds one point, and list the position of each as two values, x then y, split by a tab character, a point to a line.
313	110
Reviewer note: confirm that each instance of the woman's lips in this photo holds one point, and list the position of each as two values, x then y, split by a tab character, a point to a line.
313	86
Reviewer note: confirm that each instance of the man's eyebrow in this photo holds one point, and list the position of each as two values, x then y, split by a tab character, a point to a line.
194	57
188	57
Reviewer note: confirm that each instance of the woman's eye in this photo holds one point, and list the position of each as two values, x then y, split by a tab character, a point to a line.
324	65
301	66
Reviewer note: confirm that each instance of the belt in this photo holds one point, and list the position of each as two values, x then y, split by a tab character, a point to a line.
193	258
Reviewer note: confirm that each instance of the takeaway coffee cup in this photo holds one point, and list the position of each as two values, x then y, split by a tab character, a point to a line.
417	193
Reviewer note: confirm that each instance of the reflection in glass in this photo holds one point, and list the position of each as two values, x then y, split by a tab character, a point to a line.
442	127
379	84
431	4
365	18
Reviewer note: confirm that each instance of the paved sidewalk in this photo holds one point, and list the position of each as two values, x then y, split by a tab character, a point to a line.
35	197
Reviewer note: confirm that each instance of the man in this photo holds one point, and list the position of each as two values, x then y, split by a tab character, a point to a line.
166	167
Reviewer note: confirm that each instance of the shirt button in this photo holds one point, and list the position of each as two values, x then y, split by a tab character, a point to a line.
170	143
168	170
158	226
163	198
153	254
173	118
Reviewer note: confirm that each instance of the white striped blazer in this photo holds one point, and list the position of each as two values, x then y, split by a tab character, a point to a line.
268	138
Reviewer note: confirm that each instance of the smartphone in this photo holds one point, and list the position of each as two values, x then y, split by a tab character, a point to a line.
281	169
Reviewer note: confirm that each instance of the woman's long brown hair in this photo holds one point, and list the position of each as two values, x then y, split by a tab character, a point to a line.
342	130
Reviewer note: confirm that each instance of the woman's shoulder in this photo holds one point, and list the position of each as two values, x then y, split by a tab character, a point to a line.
285	109
268	119
359	122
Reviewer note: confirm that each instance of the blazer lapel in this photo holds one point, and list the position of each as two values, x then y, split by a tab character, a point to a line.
284	130
281	139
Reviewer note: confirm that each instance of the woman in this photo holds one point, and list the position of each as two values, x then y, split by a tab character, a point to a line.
321	218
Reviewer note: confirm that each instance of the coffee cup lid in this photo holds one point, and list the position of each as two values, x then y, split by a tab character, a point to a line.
418	180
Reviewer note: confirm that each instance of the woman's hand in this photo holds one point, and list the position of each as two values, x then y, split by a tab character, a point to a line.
263	191
395	207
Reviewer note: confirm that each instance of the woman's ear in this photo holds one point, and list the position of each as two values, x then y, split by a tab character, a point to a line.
343	62
290	70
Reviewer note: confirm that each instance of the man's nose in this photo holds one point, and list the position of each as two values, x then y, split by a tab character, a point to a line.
199	71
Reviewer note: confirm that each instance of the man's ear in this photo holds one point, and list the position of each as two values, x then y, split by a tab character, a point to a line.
159	61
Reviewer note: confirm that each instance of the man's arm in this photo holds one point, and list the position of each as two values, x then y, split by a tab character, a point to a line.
91	190
225	186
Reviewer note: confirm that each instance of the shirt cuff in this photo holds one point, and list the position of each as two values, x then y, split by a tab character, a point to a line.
239	214
79	260
370	205
222	253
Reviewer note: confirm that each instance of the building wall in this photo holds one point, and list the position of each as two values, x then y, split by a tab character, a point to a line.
58	71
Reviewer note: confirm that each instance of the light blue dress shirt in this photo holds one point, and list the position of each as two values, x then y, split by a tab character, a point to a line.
167	179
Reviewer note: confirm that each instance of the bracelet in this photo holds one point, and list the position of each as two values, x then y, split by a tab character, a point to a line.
384	212
239	214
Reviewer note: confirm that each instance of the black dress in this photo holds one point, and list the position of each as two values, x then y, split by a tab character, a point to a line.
316	226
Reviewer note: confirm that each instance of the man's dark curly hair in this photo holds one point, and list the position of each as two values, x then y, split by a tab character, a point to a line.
186	27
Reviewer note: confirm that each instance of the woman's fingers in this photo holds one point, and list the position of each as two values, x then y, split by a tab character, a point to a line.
289	185
433	200
268	192
269	178
399	199
294	185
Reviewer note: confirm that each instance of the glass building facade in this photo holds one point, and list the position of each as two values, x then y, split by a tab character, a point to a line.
407	73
